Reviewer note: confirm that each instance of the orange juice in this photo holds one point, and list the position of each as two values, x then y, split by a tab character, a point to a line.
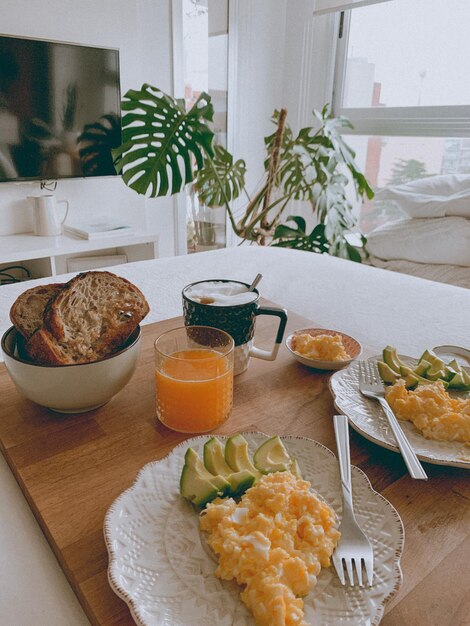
194	390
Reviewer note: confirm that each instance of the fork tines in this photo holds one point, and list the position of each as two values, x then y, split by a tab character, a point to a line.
351	566
369	372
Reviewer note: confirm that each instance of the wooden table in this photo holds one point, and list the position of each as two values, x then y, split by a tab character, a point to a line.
71	468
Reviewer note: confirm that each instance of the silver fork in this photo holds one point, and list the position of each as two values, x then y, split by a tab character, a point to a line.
370	385
354	549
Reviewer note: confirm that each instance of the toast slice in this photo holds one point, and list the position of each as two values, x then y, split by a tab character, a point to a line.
42	348
27	311
93	315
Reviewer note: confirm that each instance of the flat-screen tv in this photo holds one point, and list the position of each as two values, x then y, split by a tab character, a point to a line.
59	109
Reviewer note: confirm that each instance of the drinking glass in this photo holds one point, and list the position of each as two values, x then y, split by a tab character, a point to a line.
194	378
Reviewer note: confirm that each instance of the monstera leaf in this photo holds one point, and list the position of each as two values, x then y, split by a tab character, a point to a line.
298	238
161	141
220	180
164	147
95	145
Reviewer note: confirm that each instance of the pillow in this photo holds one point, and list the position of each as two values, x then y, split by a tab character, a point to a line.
444	240
435	196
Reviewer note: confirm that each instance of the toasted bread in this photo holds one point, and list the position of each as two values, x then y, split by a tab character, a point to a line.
27	311
42	348
86	319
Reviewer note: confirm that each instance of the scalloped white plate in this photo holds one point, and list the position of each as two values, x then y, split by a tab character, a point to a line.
161	566
368	419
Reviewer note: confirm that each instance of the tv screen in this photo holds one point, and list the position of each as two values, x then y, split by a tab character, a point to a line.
59	110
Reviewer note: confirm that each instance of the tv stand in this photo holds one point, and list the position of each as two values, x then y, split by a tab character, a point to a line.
47	256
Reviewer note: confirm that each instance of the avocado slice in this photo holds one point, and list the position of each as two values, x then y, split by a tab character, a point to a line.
196	488
214	458
423	368
457	381
460	378
390	357
240	482
461	382
237	457
386	373
438	364
455	365
272	456
449	373
295	469
214	462
431	357
405	370
412	380
192	460
439	374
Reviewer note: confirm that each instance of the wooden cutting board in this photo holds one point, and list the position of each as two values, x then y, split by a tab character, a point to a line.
71	468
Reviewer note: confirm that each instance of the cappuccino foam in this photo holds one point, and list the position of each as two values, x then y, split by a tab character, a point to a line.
219	293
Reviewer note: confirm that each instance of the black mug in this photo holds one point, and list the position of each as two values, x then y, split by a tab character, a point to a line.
238	320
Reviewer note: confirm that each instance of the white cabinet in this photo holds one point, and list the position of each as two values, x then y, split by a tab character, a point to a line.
47	256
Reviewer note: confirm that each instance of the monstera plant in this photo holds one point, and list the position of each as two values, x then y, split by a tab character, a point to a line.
166	147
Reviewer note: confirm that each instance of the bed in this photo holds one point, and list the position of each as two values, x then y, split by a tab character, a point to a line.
432	239
374	306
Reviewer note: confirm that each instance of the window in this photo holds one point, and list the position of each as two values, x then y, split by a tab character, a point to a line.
205	68
401	77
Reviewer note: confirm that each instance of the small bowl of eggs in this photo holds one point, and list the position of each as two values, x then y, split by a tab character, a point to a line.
322	348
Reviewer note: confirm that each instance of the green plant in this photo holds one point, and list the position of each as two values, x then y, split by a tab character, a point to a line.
406	170
164	147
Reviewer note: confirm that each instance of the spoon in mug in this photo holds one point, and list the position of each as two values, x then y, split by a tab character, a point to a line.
255	282
209	300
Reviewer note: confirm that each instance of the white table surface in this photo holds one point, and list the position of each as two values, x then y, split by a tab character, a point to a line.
373	305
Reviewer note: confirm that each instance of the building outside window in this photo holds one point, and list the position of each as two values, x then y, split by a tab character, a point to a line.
402	78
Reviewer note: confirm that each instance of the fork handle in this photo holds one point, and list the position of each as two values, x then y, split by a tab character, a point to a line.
344	458
412	462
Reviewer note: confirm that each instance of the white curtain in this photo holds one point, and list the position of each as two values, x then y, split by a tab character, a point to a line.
331	6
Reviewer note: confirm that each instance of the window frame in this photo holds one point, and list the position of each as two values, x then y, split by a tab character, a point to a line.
177	34
422	121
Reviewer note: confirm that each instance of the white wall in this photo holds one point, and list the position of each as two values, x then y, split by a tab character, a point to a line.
141	29
281	56
258	30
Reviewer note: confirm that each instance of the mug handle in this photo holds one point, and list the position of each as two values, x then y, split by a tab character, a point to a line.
66	210
266	355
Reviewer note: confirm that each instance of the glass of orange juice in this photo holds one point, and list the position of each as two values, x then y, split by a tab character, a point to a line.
194	378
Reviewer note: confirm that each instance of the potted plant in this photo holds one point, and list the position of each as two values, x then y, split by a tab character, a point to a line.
164	148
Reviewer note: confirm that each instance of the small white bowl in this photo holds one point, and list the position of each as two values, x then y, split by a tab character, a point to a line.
351	345
71	388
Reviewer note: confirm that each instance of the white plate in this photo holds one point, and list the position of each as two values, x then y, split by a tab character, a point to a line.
161	566
366	416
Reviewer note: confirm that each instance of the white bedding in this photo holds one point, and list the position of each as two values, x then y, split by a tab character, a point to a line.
375	306
449	274
333	292
432	196
438	240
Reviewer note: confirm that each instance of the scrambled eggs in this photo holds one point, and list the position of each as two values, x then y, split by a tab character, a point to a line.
274	542
320	347
432	410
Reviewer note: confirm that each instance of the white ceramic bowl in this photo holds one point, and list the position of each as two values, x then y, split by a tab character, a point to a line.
351	345
71	388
